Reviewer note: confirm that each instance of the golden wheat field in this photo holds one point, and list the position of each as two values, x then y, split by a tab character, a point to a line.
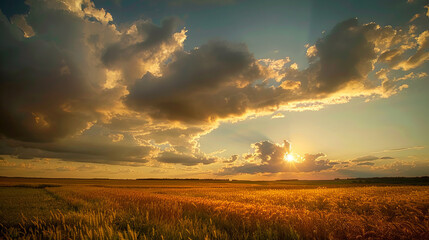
197	209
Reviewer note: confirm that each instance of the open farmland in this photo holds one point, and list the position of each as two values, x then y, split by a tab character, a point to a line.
197	209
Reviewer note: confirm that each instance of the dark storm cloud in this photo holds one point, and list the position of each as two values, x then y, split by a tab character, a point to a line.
38	80
66	69
144	43
221	80
366	164
79	151
208	83
345	55
126	123
344	58
52	83
271	157
184	159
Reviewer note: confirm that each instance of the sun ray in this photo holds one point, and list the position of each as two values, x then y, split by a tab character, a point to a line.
289	158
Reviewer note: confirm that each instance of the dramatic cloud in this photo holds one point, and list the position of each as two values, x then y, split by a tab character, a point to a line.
420	56
278	115
142	47
232	159
365	159
54	85
368	160
76	86
46	92
92	146
184	159
270	158
366	164
345	55
221	80
208	83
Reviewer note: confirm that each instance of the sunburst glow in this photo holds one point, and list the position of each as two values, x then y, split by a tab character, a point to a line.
289	158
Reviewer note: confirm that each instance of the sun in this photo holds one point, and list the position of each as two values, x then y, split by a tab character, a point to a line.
289	158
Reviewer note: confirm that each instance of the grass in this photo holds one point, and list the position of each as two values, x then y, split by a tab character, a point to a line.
192	209
34	202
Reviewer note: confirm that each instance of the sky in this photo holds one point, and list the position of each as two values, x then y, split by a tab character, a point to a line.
228	89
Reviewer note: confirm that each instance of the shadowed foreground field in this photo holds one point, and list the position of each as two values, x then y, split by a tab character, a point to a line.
197	209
